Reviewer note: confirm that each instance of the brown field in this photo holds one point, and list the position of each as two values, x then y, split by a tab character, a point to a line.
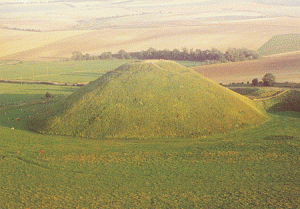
92	27
285	67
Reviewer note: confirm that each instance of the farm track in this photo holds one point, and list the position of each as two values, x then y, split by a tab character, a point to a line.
46	167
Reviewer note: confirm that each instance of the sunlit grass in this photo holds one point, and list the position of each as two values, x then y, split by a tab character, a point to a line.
146	100
65	72
281	44
252	167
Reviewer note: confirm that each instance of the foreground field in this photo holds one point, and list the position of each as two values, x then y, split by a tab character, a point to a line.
256	167
251	167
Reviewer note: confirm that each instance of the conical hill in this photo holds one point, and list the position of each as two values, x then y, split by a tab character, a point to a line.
148	99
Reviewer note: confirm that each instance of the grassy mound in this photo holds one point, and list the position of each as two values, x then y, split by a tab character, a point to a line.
281	44
148	99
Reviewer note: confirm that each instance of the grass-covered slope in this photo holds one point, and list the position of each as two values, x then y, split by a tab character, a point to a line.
148	99
288	100
281	44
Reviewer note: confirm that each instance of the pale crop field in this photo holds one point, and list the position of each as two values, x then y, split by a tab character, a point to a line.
95	27
13	41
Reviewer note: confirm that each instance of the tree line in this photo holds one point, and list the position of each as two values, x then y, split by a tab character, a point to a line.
210	56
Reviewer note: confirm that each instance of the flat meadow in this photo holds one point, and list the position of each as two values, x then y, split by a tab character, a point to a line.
252	167
58	71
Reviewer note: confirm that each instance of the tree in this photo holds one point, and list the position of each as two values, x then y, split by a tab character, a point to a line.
254	81
123	54
269	79
106	55
77	56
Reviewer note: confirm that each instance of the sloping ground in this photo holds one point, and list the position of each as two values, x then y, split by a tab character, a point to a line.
257	93
285	67
288	100
281	44
15	45
148	99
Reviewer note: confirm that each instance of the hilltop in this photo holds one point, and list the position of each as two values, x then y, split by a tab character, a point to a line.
148	99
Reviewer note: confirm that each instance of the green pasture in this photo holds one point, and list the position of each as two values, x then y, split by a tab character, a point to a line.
190	63
281	44
65	72
258	92
16	94
254	167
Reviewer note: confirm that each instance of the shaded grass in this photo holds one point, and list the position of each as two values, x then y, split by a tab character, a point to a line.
258	92
14	94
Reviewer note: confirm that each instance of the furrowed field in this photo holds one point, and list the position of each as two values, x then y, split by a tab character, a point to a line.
254	167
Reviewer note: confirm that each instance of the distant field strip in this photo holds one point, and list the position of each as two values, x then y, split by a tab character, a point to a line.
63	72
281	44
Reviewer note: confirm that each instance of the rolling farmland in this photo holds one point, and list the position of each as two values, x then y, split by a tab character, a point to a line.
95	27
285	67
147	134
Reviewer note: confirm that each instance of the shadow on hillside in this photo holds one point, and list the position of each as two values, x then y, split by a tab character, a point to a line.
18	109
290	114
17	99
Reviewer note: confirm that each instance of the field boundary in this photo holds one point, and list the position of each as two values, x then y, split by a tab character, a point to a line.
42	82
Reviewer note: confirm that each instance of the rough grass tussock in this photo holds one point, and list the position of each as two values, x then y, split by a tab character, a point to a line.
145	100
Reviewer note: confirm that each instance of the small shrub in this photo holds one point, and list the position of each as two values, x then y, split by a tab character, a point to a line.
254	81
48	95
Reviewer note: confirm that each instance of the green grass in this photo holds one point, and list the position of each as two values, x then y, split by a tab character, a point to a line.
287	101
65	72
281	44
190	63
244	91
252	167
258	92
15	94
148	99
